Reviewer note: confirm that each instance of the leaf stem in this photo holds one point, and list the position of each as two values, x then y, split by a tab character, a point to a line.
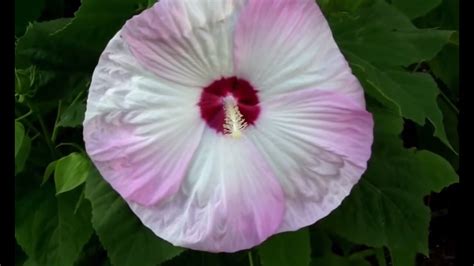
249	253
30	126
450	103
58	115
35	136
45	132
55	129
362	254
24	116
417	67
77	98
72	145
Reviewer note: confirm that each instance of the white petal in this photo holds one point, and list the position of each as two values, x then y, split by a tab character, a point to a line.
282	46
318	144
185	41
139	131
229	201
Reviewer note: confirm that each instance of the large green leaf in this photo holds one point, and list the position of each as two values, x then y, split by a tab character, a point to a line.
75	44
48	229
127	241
65	51
426	141
19	137
445	16
22	147
414	94
96	22
334	260
47	68
417	94
323	252
416	8
379	39
451	123
70	172
39	47
331	6
384	36
26	11
445	66
291	248
386	207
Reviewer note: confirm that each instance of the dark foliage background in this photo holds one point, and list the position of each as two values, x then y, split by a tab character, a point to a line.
404	52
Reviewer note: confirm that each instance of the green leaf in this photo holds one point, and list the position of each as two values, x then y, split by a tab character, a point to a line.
49	171
332	6
19	137
425	140
451	123
382	35
24	79
415	94
25	12
445	16
48	68
323	255
96	22
331	259
75	44
416	8
73	116
320	241
38	45
126	239
47	228
386	207
22	147
291	248
445	66
378	38
70	172
150	3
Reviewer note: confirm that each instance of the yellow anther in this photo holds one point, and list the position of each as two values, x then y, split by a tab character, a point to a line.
234	122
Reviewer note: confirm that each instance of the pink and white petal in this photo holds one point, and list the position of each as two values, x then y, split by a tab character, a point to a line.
185	41
229	201
318	144
140	132
282	46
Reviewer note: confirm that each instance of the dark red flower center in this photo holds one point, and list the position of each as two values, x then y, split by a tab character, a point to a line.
214	97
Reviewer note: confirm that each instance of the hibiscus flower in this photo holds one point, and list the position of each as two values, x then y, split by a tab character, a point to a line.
223	122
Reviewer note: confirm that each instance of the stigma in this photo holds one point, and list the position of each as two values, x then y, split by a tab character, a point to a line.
234	122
